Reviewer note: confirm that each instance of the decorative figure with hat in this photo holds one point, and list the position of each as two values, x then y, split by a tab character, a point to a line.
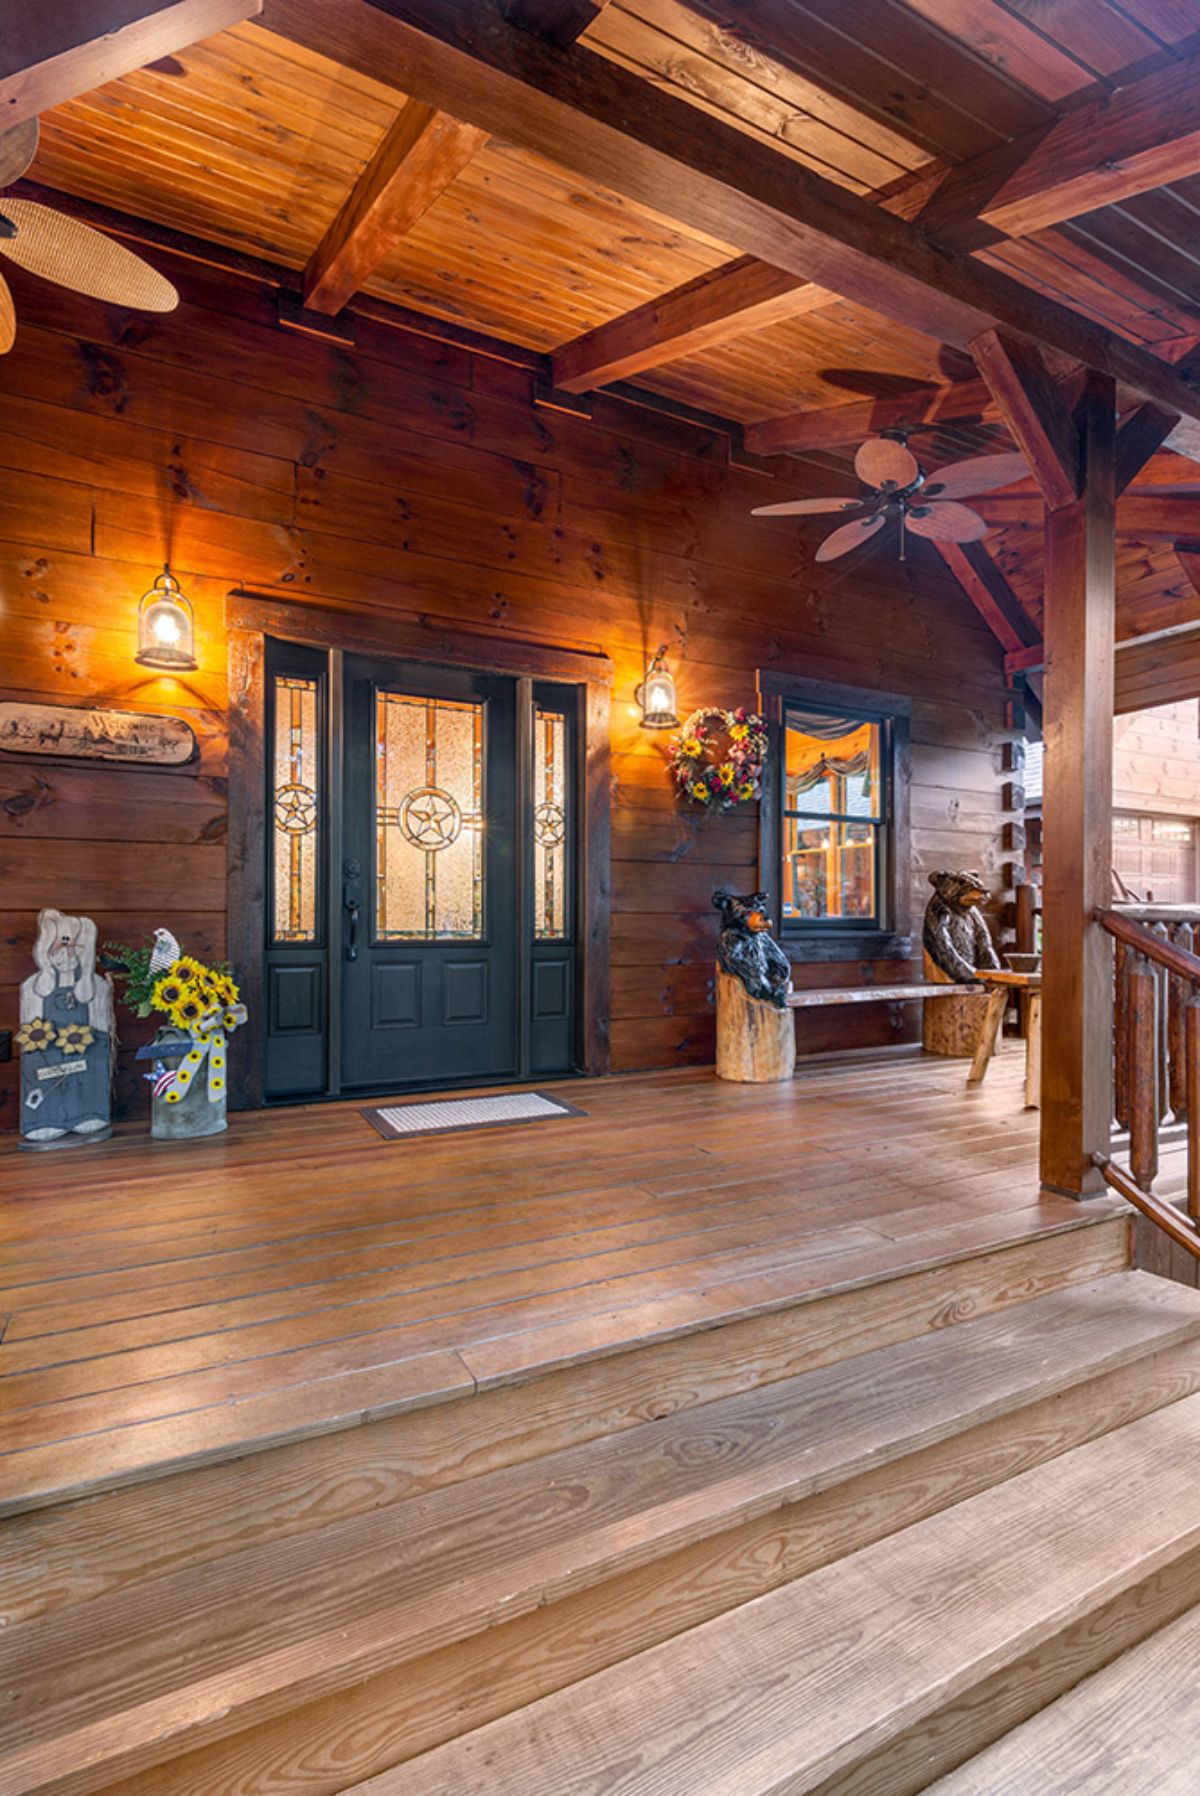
66	1038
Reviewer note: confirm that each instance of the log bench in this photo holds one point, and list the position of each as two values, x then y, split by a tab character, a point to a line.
818	996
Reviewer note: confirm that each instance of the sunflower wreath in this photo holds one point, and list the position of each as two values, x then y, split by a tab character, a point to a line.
717	758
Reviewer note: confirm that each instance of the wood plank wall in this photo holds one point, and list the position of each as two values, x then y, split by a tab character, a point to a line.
411	476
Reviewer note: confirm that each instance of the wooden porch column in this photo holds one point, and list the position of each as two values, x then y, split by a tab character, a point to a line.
1077	980
1072	452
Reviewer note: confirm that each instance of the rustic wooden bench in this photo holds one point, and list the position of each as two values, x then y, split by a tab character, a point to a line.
819	996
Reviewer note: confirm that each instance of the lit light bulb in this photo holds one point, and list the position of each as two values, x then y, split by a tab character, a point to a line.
166	628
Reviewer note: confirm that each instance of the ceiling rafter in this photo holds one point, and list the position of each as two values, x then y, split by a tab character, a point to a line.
992	596
1036	413
595	118
1146	134
53	53
420	154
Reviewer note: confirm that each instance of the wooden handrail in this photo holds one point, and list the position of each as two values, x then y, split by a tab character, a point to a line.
1157	1023
1156	948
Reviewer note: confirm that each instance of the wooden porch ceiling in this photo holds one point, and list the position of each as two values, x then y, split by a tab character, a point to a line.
295	139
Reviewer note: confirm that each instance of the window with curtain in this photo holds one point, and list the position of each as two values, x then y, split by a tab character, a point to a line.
835	803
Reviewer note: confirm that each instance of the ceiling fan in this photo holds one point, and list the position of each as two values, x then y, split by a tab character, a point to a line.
60	249
898	487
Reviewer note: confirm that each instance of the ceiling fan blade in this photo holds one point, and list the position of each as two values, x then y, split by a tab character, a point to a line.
881	459
71	254
848	536
945	521
18	147
795	508
8	318
981	474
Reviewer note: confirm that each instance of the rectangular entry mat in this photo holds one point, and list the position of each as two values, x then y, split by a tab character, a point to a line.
396	1122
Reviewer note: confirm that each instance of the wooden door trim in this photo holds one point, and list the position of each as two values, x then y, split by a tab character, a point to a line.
250	618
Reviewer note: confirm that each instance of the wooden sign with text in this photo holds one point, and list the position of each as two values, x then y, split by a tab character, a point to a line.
69	730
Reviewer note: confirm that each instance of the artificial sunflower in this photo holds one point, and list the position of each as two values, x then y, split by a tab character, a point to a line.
190	970
229	993
169	991
35	1036
189	1010
73	1038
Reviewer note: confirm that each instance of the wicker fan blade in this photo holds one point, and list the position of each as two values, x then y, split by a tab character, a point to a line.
981	474
848	536
18	147
795	508
71	254
880	460
947	522
8	318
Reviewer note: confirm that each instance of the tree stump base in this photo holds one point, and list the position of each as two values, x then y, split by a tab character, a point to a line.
952	1026
756	1044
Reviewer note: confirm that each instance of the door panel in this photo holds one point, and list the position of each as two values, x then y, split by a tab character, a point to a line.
429	980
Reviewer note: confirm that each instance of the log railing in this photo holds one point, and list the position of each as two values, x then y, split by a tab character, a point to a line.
1157	1055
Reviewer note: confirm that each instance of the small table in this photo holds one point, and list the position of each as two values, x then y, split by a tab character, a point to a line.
1001	982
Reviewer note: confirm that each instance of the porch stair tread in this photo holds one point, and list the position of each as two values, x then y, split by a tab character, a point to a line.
825	1684
1130	1728
101	1689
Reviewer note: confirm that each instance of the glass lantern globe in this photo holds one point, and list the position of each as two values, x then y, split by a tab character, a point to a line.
166	628
656	695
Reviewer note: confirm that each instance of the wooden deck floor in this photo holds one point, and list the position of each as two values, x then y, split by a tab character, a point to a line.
165	1304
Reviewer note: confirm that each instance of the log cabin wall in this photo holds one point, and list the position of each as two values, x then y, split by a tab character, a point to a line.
416	477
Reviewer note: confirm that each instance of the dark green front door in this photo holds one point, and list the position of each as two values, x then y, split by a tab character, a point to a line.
422	893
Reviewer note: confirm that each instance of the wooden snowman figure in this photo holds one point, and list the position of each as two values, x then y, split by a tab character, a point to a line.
66	1038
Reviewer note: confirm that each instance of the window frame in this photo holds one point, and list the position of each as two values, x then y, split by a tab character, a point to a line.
888	935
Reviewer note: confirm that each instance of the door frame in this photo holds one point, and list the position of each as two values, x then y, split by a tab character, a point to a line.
250	618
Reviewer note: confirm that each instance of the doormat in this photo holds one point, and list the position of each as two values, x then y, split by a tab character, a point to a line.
398	1122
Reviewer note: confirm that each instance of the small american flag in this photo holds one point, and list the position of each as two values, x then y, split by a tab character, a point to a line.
163	1082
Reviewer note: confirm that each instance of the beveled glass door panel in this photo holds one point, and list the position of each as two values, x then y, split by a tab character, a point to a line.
429	818
429	911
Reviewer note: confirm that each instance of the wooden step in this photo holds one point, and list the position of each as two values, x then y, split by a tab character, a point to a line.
1129	1730
379	1635
874	1674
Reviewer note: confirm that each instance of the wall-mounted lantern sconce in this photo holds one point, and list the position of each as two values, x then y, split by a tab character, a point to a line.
656	695
166	628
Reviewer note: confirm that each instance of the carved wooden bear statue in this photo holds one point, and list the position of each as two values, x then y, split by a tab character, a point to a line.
746	949
956	937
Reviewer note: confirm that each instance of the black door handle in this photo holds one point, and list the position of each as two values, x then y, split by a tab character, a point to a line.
352	944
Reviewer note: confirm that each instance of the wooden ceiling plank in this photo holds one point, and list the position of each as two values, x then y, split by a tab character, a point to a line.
595	118
1188	556
1035	412
740	296
421	153
1141	434
50	54
558	21
991	595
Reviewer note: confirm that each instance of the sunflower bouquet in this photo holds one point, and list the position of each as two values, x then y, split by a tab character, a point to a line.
204	1006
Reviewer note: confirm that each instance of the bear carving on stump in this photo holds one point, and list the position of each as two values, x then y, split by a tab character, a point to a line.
956	936
747	950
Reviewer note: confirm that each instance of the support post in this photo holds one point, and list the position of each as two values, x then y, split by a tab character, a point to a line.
1077	978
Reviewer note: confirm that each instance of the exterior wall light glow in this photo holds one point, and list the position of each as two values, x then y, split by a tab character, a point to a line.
656	695
166	628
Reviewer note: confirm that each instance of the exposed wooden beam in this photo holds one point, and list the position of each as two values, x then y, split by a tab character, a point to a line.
1080	631
1141	433
1035	412
837	425
421	153
740	296
1172	516
1047	177
558	21
1162	671
51	53
1096	154
992	596
598	119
